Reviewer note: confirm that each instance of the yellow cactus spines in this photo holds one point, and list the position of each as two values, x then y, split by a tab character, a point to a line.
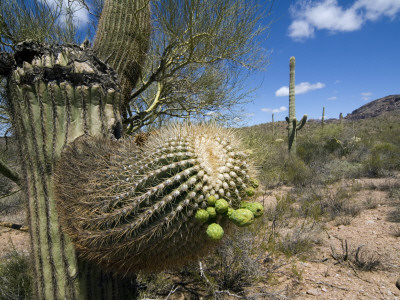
242	217
215	231
255	207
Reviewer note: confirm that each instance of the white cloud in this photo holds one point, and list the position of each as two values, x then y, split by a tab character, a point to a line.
366	96
301	88
311	15
274	110
80	13
332	98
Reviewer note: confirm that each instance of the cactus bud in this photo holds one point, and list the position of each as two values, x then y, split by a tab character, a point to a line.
242	217
256	208
215	231
221	206
202	216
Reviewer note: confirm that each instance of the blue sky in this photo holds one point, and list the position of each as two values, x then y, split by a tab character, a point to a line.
347	54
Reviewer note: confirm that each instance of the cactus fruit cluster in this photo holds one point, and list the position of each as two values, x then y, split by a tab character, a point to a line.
146	207
293	124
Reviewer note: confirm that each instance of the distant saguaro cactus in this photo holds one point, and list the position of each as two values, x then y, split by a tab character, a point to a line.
323	117
340	118
293	125
273	127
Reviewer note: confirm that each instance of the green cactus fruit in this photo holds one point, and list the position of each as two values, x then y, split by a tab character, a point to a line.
211	212
221	206
250	192
242	217
215	231
202	216
254	183
133	208
211	200
255	207
229	212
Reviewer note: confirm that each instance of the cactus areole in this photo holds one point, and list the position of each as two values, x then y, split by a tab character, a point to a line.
136	208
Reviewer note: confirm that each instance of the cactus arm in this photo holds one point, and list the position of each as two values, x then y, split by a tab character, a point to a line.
9	173
122	39
302	122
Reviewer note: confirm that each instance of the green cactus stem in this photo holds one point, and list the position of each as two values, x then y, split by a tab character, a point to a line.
122	40
340	118
56	94
323	117
133	208
293	125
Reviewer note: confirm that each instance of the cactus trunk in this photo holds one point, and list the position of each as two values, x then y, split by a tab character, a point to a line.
56	95
293	125
122	40
323	117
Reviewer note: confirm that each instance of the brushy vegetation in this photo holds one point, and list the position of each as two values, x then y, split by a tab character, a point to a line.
292	228
15	277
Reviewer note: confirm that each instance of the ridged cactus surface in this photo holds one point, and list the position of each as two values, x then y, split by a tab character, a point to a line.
147	207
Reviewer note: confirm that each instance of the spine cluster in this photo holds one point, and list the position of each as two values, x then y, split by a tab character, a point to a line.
138	208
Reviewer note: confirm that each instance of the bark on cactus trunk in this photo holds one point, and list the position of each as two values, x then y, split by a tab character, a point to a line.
57	94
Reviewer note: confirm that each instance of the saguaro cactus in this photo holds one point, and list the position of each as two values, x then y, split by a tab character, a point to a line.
323	117
293	125
56	94
122	40
126	207
273	127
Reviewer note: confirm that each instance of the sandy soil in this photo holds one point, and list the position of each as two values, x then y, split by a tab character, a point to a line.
322	276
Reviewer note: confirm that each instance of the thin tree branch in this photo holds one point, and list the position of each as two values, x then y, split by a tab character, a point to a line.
10	174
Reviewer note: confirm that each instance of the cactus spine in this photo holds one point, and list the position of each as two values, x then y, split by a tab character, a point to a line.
323	117
122	40
293	125
55	95
133	208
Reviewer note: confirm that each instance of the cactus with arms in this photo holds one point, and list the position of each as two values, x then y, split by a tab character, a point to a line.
131	207
293	125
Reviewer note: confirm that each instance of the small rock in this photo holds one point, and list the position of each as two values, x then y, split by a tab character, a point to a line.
324	289
313	292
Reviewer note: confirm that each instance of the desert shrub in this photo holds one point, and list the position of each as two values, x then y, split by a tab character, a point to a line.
298	241
234	264
296	172
364	259
15	277
383	157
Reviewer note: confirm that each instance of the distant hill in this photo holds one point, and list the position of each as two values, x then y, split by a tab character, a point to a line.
376	108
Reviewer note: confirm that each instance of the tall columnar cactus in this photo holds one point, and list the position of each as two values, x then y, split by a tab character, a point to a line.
56	94
122	40
340	118
273	127
293	125
323	117
132	208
